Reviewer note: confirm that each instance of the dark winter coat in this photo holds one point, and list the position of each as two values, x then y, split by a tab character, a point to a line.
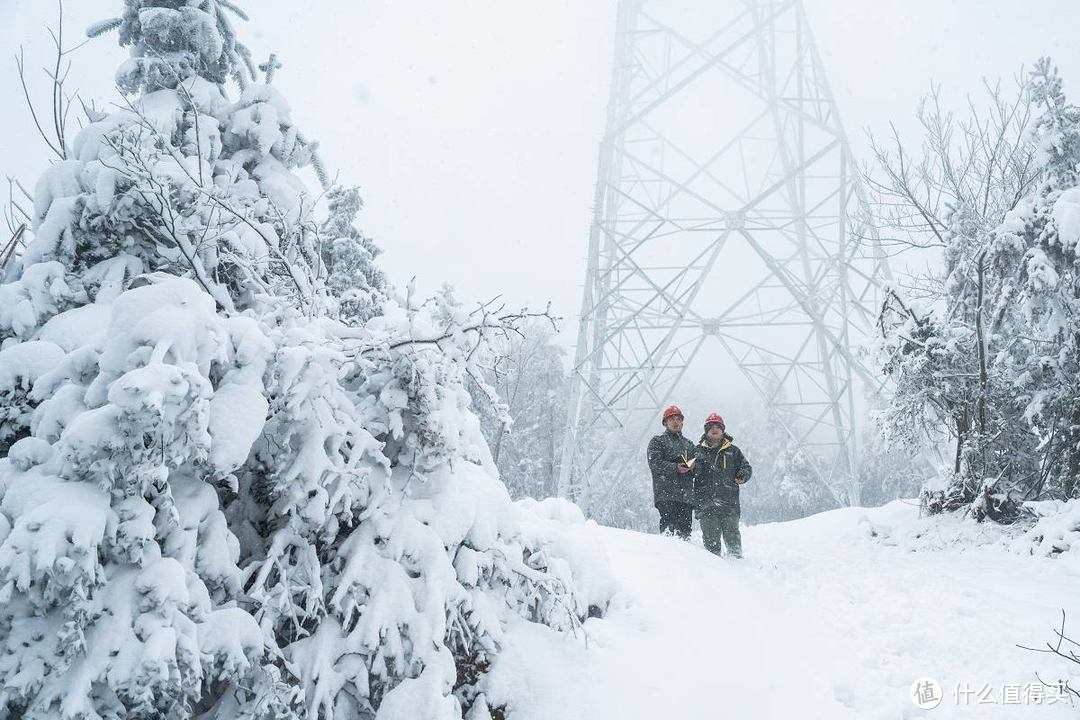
665	453
716	470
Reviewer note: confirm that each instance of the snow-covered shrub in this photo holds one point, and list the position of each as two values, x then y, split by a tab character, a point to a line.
901	524
1055	532
1048	528
239	476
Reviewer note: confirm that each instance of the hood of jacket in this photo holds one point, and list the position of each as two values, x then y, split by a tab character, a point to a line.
725	442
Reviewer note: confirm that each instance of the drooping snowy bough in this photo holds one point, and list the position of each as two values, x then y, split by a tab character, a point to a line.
239	478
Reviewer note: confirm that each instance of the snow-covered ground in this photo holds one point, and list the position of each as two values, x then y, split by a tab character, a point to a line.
834	616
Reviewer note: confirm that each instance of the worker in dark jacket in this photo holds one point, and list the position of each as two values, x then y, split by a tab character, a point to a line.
671	456
720	468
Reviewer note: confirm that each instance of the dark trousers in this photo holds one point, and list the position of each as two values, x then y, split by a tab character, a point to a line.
676	518
726	526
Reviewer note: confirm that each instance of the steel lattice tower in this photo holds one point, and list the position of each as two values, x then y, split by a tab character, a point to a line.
723	212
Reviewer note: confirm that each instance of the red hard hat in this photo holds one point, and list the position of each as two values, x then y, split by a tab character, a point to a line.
672	412
714	418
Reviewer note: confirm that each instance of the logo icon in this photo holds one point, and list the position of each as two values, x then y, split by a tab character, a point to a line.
926	693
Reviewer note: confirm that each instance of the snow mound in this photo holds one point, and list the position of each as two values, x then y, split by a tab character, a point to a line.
1047	528
1056	531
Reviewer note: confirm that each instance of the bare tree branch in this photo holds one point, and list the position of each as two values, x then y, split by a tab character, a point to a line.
61	101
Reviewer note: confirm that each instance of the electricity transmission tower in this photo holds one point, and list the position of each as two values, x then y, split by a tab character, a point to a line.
723	216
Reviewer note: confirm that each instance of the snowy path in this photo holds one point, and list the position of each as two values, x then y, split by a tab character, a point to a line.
819	621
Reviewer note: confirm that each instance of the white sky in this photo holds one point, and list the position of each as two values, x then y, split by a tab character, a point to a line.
472	125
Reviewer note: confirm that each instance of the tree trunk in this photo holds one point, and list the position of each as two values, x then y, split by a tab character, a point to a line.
980	336
962	422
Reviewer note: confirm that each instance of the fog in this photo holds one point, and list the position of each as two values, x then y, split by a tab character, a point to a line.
473	127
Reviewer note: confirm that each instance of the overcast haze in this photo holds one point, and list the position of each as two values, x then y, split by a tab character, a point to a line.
473	126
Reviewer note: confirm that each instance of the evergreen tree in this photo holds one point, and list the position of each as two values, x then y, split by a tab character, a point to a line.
1036	247
240	477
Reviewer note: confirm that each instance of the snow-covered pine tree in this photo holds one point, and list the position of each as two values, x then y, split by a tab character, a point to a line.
1038	247
239	476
